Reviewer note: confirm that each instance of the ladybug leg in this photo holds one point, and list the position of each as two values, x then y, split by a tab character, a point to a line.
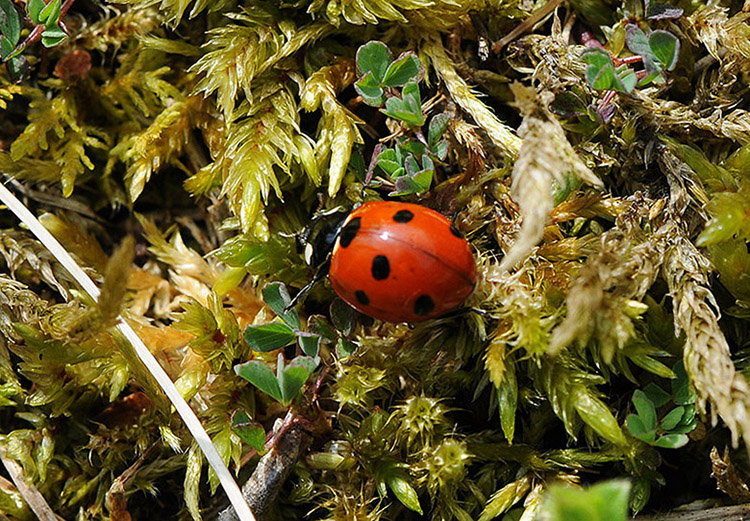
319	275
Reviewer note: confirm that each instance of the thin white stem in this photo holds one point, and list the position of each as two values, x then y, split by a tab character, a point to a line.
188	415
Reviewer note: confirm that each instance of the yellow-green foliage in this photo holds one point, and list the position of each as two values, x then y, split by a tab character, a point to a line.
212	132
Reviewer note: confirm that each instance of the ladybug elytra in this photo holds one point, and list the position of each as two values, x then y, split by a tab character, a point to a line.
399	262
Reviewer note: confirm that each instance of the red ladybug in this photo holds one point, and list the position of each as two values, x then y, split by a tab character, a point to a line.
400	262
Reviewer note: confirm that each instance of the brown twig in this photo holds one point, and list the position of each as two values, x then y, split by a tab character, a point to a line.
274	467
526	25
733	513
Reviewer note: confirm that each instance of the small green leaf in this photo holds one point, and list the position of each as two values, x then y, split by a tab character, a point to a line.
403	491
681	389
657	395
50	13
665	47
507	401
672	441
645	408
6	47
52	37
18	67
653	366
637	41
567	104
638	429
319	325
374	56
34	8
402	70
672	418
249	431
606	501
626	77
600	73
258	374
309	343
269	336
370	90
345	348
293	376
342	316
407	109
635	425
10	22
390	163
276	296
437	127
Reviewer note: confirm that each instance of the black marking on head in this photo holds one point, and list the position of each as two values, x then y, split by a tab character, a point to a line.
349	231
381	268
403	216
455	231
424	305
362	297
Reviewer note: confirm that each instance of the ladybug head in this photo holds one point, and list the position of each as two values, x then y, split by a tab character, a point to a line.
316	240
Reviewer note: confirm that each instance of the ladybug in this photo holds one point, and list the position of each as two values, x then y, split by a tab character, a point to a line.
395	261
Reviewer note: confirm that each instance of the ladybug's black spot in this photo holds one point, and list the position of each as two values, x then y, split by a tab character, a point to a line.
424	305
349	231
381	268
456	232
403	216
362	297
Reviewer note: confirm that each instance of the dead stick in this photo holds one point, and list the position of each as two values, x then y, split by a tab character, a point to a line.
526	25
732	513
274	467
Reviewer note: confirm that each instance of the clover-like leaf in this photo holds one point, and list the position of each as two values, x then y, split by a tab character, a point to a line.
645	408
18	67
665	47
50	13
408	108
370	90
309	343
374	57
342	316
34	8
402	70
636	40
657	395
269	336
276	297
437	127
52	37
345	348
251	432
10	25
604	501
672	418
293	376
567	104
672	441
258	374
391	163
638	429
319	325
600	73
